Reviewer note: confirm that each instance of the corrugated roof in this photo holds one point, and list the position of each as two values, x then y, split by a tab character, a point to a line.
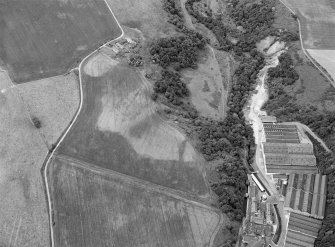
293	148
290	159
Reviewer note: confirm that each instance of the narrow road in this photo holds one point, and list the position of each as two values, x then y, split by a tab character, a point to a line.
307	129
49	157
304	50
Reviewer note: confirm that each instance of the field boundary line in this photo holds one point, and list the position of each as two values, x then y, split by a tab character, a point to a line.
61	139
306	52
130	180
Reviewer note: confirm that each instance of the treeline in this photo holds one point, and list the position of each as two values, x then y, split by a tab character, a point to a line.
285	70
229	142
326	161
286	108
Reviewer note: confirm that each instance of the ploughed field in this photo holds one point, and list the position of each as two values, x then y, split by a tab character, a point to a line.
119	129
99	208
43	38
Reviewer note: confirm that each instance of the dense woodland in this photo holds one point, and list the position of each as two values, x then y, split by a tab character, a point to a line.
285	108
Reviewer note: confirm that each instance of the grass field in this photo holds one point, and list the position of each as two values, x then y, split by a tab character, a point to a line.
43	38
317	22
119	129
23	214
54	101
326	58
92	208
147	16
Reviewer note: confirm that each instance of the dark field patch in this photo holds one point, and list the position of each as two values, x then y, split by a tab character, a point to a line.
43	38
93	209
118	129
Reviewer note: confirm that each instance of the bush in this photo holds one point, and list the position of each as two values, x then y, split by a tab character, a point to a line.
36	122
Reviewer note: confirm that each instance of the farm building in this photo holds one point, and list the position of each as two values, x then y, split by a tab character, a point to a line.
281	133
268	119
306	194
288	148
283	151
302	230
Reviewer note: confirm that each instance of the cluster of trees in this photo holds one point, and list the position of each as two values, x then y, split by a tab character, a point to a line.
326	161
232	176
216	25
175	13
180	52
171	86
285	70
256	20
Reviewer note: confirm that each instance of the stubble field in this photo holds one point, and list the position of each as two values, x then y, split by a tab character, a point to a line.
43	38
93	208
119	129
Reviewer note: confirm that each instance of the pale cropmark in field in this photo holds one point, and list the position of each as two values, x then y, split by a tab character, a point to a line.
70	126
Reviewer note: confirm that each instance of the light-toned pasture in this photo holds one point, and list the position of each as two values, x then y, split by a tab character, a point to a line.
23	213
119	129
54	101
206	86
92	208
326	58
146	15
317	22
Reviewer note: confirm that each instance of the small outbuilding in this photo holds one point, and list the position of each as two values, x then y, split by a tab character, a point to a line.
269	119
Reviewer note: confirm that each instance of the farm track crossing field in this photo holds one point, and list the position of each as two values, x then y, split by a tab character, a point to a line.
119	129
43	38
94	209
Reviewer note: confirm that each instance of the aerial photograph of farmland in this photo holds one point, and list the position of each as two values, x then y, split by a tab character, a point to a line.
177	123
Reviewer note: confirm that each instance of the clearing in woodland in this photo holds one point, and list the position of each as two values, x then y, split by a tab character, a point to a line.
95	208
43	38
119	128
208	93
